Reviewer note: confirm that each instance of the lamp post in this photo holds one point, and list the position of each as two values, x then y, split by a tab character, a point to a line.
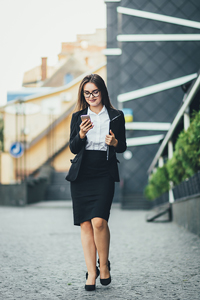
16	139
23	132
50	136
24	138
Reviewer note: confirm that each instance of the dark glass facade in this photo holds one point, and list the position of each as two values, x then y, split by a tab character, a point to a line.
143	64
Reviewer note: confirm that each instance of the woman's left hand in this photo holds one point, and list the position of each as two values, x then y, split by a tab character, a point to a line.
111	140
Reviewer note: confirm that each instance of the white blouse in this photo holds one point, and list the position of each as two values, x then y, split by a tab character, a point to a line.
96	136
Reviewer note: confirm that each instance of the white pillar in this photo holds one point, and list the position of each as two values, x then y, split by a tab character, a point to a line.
170	149
160	162
186	118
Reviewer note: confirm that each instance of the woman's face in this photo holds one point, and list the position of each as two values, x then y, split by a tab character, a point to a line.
94	99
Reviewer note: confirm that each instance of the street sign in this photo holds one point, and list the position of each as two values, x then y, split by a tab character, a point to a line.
128	114
16	149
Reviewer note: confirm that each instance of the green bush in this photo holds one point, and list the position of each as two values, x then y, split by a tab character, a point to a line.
186	157
158	183
184	164
175	169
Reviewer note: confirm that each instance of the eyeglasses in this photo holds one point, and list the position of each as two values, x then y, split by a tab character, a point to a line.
94	93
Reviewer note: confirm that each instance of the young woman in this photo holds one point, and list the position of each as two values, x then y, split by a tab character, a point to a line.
94	172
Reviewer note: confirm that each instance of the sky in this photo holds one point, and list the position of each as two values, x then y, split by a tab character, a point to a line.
31	29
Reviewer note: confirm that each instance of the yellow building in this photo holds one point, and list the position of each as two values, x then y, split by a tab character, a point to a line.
42	124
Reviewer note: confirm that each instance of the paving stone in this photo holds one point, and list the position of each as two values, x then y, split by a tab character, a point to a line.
41	256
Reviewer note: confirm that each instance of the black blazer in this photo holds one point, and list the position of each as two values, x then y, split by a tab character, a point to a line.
77	145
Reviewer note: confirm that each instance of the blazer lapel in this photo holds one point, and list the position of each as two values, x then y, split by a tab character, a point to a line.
113	115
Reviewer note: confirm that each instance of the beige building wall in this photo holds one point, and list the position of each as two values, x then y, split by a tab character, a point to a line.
33	77
6	168
62	161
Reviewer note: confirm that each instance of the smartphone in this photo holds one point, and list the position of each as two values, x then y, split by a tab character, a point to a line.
83	117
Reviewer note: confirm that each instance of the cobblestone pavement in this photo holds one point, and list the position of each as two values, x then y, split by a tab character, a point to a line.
41	256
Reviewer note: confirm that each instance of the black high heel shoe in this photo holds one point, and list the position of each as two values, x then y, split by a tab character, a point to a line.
91	287
106	281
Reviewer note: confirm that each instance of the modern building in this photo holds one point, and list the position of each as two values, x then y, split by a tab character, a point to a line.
152	53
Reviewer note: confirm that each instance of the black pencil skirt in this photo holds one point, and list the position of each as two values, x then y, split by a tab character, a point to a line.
92	192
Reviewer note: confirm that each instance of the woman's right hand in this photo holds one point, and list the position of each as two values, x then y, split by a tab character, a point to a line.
85	126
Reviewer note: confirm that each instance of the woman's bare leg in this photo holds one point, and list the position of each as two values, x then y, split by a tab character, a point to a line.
89	250
102	242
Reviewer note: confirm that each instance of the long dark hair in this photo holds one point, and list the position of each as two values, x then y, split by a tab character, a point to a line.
99	82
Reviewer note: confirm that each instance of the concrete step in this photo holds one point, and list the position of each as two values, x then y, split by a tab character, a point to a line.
59	188
135	201
58	178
